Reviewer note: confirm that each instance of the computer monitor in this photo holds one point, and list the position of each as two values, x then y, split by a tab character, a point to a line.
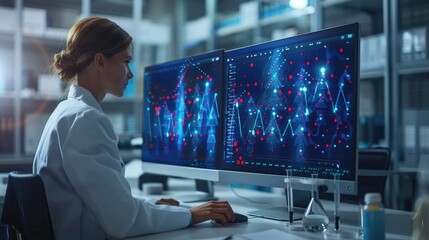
181	127
293	104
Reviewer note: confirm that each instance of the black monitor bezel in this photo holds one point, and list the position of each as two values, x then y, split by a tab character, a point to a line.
183	170
275	180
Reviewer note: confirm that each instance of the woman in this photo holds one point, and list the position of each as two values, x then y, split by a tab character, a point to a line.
78	158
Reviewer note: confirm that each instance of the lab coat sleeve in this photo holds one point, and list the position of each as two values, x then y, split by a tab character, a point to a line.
93	166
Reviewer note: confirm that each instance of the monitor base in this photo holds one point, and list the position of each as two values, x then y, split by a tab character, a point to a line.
153	178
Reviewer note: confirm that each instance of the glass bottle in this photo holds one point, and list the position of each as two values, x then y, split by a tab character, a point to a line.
315	218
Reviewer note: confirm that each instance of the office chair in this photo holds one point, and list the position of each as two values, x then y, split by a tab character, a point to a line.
373	159
369	159
25	208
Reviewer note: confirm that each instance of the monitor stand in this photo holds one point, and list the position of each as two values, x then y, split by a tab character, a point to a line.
204	192
153	178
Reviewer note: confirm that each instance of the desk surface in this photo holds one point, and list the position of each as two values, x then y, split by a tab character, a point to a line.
398	223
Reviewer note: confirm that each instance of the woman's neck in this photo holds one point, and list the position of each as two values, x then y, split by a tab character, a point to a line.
90	81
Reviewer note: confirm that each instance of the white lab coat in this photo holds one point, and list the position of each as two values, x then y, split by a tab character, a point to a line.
83	173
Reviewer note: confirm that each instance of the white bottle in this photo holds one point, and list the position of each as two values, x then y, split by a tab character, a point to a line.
373	218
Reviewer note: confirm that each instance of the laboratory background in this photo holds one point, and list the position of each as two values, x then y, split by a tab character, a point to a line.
394	65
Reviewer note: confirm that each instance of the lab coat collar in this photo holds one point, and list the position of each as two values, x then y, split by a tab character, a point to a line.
82	94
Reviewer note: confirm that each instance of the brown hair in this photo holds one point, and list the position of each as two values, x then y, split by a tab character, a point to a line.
86	38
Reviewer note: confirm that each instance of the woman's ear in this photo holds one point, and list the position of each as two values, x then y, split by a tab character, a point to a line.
99	61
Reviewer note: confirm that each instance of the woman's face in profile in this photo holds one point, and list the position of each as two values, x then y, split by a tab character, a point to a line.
118	72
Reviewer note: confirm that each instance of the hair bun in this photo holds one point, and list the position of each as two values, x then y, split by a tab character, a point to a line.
66	65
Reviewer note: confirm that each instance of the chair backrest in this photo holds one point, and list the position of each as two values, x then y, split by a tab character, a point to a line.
25	208
369	159
372	159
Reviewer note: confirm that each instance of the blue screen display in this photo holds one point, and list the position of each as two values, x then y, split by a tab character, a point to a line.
182	111
292	104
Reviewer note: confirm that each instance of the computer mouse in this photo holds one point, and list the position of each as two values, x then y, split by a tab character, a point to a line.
239	218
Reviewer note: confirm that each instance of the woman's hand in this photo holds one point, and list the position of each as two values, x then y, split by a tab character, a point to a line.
218	211
167	201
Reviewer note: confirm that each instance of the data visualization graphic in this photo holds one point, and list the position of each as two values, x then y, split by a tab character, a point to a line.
181	111
292	107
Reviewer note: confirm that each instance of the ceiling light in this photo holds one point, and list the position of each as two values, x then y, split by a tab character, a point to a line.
298	4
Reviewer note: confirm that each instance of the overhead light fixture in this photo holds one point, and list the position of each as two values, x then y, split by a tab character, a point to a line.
298	4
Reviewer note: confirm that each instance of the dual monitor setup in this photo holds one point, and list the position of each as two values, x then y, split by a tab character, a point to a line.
247	115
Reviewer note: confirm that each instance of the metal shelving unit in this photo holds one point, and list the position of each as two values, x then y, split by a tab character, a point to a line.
31	54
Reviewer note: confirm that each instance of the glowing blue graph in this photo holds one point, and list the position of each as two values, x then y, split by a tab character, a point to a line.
292	105
181	119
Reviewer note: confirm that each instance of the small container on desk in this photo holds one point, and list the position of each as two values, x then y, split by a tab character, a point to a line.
373	218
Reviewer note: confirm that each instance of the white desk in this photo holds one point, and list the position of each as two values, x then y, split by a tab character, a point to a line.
398	223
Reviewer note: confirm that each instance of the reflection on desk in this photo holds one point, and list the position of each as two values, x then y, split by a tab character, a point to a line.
398	223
